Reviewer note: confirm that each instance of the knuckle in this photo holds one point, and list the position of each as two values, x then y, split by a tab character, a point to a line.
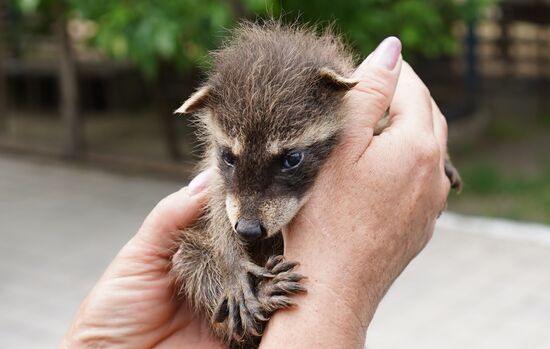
446	188
427	153
425	91
444	125
378	101
162	205
415	81
426	95
378	90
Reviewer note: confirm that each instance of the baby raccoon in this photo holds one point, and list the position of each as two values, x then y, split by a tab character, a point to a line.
270	113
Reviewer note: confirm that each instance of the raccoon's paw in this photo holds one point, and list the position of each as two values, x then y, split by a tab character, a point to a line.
274	292
241	308
256	294
453	175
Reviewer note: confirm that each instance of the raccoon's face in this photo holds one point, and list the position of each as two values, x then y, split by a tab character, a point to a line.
266	184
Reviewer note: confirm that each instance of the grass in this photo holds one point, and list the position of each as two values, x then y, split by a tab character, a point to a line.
505	130
488	191
506	173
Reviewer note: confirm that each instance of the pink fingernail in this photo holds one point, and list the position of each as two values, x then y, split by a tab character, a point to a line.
200	182
387	53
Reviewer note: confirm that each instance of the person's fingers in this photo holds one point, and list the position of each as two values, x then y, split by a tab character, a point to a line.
371	97
176	211
411	104
385	55
440	133
440	128
377	77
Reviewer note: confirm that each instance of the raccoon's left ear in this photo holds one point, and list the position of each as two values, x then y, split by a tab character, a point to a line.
197	101
336	80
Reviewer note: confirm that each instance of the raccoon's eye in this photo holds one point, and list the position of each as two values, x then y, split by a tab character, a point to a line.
228	158
292	160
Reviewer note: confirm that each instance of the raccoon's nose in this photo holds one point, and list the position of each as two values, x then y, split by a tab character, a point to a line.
249	229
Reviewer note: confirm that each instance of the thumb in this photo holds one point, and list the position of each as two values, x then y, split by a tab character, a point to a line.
176	211
371	97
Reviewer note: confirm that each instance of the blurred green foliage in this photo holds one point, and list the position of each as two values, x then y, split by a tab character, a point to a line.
147	32
502	130
488	179
544	118
506	172
491	191
424	27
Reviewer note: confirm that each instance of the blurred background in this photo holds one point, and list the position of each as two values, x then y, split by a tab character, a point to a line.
88	143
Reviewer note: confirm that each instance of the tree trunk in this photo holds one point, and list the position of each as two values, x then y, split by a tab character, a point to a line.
3	56
166	111
68	87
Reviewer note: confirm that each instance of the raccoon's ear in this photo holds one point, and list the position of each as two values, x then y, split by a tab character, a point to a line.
197	101
336	80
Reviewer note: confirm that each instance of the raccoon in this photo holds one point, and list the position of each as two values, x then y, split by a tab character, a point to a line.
269	113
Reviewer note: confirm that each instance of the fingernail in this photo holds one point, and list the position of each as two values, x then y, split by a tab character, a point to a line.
200	182
387	53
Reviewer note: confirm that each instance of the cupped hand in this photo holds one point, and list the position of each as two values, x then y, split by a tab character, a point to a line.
372	208
134	305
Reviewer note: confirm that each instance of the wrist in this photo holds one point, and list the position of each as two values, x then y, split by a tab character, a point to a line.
337	302
352	281
345	285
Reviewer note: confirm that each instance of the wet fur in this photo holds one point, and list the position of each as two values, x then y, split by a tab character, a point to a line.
271	88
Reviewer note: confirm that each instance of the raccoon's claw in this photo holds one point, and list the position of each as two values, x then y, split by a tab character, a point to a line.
255	295
273	261
453	175
277	264
256	270
241	308
274	293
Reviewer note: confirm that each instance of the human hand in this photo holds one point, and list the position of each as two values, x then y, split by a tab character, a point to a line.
133	305
372	209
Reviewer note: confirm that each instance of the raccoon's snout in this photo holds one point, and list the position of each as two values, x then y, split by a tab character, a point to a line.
250	229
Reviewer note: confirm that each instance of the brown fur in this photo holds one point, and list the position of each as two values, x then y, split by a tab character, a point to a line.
273	90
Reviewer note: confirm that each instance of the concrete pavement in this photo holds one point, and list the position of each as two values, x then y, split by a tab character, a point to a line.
480	283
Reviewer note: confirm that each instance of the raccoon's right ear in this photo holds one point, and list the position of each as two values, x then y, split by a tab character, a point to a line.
198	100
336	80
